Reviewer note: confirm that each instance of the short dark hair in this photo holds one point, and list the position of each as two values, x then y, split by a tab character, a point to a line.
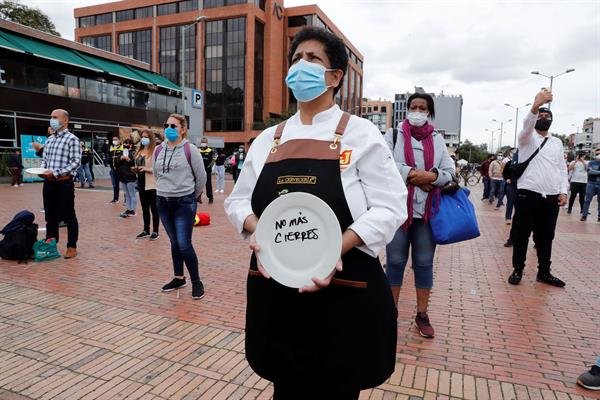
427	98
334	48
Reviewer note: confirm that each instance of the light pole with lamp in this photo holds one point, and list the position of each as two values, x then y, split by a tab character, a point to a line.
551	77
516	118
501	130
492	132
184	28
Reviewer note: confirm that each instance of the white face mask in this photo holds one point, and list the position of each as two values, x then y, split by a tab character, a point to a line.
498	157
598	157
416	118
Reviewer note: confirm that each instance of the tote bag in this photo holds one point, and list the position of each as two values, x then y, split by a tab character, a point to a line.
45	250
455	220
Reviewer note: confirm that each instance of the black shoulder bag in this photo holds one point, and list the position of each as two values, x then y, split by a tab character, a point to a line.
519	168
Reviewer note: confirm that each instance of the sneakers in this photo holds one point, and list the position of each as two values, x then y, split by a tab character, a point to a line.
423	325
197	290
550	280
569	211
591	379
211	200
175	283
127	213
142	235
516	277
91	186
509	243
154	236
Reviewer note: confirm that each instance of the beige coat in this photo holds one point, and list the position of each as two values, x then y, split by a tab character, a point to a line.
150	181
496	170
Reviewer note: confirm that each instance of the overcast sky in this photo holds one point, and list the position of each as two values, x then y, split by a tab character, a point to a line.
484	50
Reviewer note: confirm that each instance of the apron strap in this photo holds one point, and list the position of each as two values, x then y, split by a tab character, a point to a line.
340	129
279	130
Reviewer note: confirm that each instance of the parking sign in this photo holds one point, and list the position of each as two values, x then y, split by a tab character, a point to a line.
196	98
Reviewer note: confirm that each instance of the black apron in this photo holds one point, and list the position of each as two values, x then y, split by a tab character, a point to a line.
341	337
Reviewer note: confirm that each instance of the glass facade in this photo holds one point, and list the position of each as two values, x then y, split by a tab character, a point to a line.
188	5
32	78
137	45
100	42
224	74
166	9
93	20
170	54
223	3
124	15
144	12
259	70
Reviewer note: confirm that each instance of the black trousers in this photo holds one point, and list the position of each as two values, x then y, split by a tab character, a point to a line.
305	392
577	189
534	213
59	204
148	201
209	192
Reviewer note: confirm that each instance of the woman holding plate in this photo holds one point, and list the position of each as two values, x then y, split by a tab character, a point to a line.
336	336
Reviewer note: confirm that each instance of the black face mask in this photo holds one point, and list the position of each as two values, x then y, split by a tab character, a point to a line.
543	124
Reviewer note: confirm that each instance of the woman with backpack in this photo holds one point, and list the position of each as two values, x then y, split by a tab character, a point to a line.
147	184
180	179
128	178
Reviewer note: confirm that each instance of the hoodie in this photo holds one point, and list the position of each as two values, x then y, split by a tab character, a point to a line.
173	174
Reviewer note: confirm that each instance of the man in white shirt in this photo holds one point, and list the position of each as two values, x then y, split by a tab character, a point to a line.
541	191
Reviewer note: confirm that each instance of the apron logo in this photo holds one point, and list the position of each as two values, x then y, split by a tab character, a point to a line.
297	180
346	157
284	191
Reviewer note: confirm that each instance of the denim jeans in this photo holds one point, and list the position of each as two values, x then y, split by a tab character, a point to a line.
592	189
511	192
115	184
130	195
497	190
220	177
486	187
177	215
419	237
83	173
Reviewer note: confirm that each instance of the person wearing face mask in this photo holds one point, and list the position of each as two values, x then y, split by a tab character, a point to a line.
62	157
593	186
127	178
541	191
578	170
337	336
207	154
422	158
239	163
114	156
496	181
146	184
180	178
220	168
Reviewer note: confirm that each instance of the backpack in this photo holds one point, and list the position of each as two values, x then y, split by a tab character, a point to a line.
18	244
186	150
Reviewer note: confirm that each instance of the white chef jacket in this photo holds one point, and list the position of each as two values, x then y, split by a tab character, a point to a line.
374	189
547	172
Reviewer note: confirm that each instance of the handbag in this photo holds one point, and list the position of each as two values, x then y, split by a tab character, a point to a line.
519	168
455	219
44	250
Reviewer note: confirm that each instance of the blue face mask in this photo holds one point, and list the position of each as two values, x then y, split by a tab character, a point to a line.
54	124
145	141
171	134
307	80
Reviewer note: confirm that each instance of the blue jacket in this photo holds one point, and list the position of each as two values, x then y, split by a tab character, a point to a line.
594	172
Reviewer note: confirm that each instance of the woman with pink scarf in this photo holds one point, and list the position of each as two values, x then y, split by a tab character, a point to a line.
422	158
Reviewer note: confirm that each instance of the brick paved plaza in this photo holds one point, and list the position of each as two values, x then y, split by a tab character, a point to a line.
98	327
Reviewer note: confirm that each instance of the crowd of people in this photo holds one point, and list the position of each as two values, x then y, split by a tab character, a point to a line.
336	341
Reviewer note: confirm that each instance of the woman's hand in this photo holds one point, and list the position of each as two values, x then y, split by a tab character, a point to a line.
321	283
419	177
256	248
426	188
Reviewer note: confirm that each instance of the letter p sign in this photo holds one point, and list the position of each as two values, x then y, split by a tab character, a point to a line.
196	98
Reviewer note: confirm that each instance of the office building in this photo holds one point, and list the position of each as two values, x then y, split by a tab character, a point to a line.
589	138
379	112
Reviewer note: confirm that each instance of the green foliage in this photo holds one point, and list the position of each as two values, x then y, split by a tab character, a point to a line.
4	171
471	152
32	17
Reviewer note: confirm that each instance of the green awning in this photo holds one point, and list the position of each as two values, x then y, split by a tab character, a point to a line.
112	68
5	43
157	79
48	51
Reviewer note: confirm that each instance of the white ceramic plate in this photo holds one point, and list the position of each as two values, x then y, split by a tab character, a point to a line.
36	171
299	238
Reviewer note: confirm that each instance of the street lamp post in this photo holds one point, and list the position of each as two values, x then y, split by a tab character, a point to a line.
501	130
184	28
551	77
492	132
516	118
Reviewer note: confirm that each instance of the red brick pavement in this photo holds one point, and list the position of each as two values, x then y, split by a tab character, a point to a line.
104	309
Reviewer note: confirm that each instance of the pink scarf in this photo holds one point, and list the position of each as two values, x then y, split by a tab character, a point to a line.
422	134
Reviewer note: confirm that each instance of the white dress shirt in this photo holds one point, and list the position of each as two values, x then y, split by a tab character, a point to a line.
374	189
547	172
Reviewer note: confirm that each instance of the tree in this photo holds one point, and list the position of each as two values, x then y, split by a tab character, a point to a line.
471	152
32	17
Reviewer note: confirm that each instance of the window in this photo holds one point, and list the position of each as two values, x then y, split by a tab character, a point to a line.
375	108
318	22
165	9
99	42
7	129
104	19
137	45
92	20
303	20
125	15
188	5
384	109
259	3
170	57
259	50
222	3
224	74
144	12
345	91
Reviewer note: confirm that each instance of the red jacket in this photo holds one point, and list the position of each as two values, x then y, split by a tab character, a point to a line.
485	168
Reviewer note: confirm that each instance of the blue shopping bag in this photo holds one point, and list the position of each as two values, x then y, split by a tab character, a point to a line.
455	219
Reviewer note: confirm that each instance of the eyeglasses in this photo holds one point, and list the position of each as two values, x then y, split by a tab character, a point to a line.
172	126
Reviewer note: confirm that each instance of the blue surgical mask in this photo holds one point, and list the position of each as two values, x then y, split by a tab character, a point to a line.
171	134
307	80
145	141
54	124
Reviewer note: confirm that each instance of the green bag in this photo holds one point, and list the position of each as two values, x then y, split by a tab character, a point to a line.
43	251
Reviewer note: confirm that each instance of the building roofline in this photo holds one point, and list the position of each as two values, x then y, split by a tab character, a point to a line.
115	6
57	40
